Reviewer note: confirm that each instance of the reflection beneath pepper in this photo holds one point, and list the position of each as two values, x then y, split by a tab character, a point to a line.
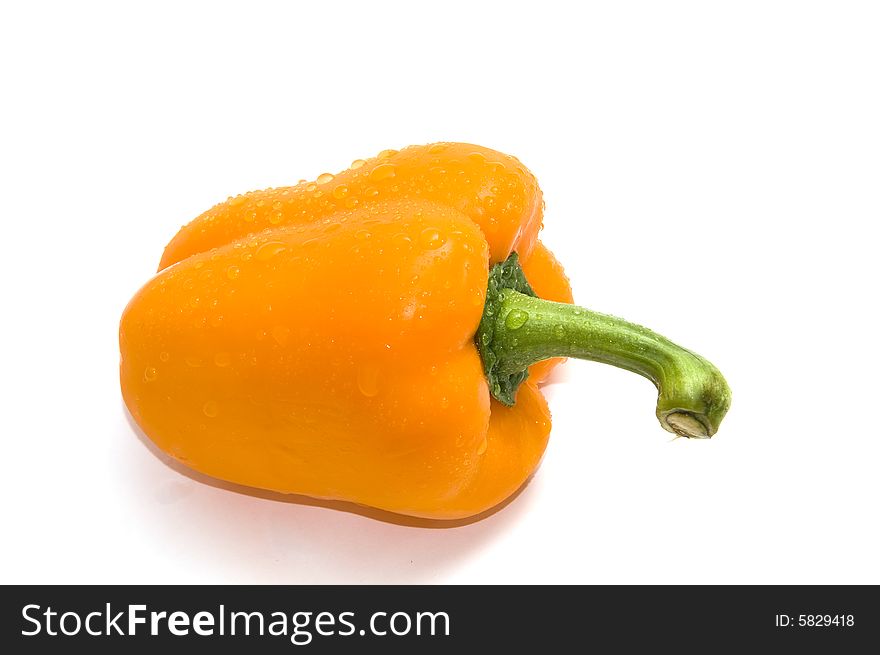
244	535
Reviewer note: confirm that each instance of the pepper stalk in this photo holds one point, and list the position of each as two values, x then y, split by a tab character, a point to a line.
518	329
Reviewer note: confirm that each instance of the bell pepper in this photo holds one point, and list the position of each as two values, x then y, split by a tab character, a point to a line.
377	337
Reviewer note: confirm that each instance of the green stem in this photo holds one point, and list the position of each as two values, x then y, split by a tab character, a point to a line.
519	329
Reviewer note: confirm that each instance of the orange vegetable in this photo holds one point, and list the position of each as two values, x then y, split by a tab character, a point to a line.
322	339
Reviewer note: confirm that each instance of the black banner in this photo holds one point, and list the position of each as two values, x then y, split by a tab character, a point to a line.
436	619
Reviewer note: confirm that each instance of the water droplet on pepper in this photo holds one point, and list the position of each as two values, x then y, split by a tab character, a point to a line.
516	319
269	250
431	238
368	380
211	409
401	240
383	172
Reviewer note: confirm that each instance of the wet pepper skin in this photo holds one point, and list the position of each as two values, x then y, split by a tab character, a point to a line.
319	339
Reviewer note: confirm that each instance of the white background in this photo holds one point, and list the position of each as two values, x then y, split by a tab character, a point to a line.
710	169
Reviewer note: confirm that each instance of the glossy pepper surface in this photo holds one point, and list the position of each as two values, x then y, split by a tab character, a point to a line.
368	336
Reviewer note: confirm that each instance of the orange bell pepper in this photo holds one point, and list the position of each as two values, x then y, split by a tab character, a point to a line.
367	337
